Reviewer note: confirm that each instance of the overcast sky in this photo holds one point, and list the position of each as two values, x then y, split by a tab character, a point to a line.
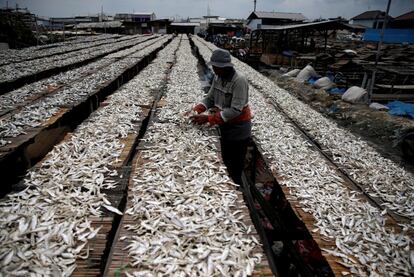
226	8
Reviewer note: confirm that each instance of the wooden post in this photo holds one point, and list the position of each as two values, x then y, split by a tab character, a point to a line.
374	72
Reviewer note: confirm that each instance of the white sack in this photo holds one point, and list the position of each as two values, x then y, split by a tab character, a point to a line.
378	106
355	95
292	73
306	73
324	83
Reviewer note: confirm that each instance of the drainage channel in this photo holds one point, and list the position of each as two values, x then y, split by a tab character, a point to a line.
282	226
276	222
113	234
31	148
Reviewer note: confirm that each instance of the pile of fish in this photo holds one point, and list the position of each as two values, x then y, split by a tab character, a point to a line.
132	51
17	55
183	203
19	97
363	241
46	228
37	113
14	71
379	176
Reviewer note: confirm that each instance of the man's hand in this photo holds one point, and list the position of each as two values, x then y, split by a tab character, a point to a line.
199	119
215	119
200	108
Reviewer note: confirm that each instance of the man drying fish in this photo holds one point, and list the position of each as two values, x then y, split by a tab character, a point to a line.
226	105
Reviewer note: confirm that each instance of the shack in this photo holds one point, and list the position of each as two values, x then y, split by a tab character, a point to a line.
136	23
160	26
258	19
371	19
225	29
270	42
183	28
404	21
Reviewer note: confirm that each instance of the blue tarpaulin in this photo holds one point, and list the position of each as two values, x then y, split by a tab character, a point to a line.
390	35
401	108
312	80
336	90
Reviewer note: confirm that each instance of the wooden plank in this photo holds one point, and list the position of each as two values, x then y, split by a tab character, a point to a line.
161	103
120	260
128	143
402	87
323	242
384	97
92	265
32	132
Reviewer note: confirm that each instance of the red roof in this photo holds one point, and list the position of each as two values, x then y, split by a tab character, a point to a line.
368	15
406	16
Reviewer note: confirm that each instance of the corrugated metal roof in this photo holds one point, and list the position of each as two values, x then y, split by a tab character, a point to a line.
281	15
294	26
355	26
191	24
144	13
406	16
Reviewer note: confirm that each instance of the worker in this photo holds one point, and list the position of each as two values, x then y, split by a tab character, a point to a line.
227	106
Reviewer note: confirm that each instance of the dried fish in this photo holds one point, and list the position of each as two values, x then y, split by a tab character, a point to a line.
12	55
112	209
13	71
358	228
184	207
45	228
34	115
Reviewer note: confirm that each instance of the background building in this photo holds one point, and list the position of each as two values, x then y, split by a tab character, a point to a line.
370	19
257	19
135	17
183	27
404	21
160	26
136	23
